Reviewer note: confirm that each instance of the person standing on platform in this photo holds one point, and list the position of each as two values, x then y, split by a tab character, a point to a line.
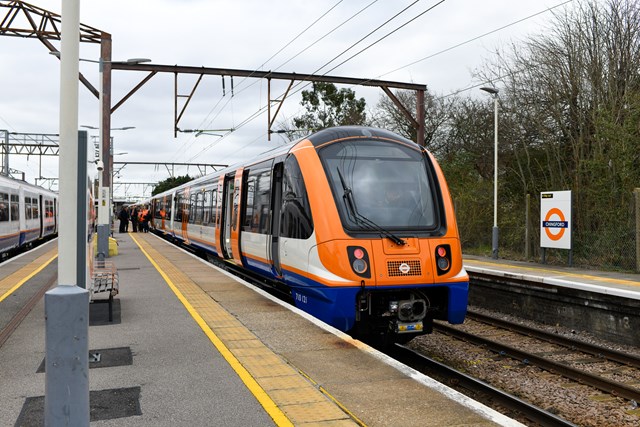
123	216
134	219
146	217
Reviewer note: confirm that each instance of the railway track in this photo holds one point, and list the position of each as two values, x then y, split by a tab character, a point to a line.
459	380
584	383
541	359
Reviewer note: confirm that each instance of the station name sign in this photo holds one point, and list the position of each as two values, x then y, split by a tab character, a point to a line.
555	219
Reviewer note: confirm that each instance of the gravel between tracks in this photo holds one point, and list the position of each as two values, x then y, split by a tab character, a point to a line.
579	404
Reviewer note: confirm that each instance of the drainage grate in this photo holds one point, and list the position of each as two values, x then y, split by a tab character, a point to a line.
105	358
103	405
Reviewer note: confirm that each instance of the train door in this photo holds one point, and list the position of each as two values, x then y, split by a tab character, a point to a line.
42	215
239	183
227	217
276	203
217	217
55	215
186	211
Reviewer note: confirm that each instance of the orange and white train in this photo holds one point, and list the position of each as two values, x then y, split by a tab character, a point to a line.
356	223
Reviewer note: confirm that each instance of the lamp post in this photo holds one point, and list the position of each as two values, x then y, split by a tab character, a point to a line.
104	197
104	68
494	234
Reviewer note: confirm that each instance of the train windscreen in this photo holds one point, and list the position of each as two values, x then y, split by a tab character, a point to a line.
379	184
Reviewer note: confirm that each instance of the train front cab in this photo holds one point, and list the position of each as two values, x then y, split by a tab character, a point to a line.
399	283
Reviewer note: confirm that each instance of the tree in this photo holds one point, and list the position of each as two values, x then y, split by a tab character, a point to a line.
569	106
170	183
326	106
388	116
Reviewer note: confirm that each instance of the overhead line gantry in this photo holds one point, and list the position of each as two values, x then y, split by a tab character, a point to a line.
24	20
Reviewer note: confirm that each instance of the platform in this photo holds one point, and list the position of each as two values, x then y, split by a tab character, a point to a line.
191	345
625	285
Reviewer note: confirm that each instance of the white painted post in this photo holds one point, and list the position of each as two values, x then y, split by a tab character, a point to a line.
67	306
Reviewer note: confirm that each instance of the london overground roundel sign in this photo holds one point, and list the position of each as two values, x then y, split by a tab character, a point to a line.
555	219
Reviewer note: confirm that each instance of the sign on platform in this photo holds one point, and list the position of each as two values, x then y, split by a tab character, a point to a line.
555	219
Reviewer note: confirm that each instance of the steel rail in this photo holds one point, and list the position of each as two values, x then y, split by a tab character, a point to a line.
595	350
586	378
531	412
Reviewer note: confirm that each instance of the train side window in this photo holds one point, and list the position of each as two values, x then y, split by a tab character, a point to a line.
15	207
214	204
199	207
35	209
257	217
179	208
295	214
27	208
167	207
4	207
249	195
193	208
262	203
206	207
218	208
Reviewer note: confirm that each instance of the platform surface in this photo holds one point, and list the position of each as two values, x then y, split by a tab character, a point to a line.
626	285
196	346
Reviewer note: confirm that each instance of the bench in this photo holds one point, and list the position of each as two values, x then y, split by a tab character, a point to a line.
105	279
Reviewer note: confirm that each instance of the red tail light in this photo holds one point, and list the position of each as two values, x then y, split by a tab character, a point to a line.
359	260
443	259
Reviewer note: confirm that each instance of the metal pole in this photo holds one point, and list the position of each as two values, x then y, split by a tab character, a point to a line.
494	234
103	197
67	305
420	117
5	158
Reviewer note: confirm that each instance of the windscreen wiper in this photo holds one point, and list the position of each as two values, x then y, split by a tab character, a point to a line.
357	217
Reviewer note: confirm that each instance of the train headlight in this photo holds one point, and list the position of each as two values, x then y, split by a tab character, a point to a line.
443	264
359	266
443	259
359	260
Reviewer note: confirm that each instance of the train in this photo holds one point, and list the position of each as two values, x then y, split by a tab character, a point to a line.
356	223
28	214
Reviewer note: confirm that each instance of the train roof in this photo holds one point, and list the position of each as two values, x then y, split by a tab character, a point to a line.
6	181
317	139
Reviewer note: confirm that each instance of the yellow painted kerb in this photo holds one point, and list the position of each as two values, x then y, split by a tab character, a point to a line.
26	279
267	403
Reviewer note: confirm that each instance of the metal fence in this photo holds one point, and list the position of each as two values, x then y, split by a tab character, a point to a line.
612	247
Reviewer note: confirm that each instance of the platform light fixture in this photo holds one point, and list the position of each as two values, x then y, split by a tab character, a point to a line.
495	232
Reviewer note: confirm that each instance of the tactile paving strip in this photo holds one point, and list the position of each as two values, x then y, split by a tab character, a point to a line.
9	284
297	401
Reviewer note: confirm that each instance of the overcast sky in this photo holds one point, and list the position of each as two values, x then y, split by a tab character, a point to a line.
245	34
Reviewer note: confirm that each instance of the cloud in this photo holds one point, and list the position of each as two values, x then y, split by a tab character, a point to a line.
237	34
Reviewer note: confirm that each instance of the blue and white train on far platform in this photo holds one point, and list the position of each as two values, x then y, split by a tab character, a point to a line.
28	214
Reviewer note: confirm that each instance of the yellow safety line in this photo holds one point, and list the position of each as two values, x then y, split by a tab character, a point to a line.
561	273
26	279
333	399
267	403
